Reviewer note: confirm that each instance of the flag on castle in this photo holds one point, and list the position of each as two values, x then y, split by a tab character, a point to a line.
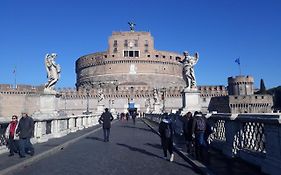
237	61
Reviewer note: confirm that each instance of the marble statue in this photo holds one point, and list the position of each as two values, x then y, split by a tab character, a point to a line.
100	95
189	63
155	96
53	72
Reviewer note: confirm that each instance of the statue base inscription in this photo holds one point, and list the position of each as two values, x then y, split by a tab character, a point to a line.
191	101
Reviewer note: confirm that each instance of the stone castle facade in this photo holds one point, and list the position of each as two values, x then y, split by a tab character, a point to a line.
241	98
132	71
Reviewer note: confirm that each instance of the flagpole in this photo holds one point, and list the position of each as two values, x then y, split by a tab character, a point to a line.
239	69
15	77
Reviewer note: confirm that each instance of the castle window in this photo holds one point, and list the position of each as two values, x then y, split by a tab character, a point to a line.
131	53
156	56
171	57
136	43
126	53
115	50
146	43
126	43
164	56
148	56
136	53
145	50
115	43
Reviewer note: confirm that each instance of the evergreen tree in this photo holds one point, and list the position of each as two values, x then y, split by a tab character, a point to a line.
262	88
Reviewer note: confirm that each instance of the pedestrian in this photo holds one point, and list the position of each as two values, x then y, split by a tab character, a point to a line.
25	131
122	116
11	136
166	135
134	115
106	119
187	131
127	116
198	132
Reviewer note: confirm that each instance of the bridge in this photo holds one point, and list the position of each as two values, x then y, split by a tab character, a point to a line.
74	145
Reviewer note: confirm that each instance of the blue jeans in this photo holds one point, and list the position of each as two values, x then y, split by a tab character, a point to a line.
106	132
25	146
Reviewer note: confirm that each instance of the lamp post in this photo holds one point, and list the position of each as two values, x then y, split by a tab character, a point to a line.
163	90
88	93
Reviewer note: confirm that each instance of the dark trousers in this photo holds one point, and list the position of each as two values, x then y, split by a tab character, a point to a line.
13	145
25	146
106	132
167	145
200	146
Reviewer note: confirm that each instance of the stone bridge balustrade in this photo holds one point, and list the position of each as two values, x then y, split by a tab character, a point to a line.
255	138
47	127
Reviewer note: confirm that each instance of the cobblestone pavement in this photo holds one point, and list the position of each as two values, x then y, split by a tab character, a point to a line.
132	149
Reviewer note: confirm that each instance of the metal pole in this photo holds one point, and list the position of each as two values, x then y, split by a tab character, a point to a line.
87	111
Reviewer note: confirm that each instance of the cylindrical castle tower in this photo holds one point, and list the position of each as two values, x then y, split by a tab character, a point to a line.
131	59
241	85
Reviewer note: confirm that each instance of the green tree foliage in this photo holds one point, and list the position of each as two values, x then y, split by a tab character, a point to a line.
262	88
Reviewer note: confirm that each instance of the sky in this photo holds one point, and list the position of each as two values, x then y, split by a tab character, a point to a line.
220	30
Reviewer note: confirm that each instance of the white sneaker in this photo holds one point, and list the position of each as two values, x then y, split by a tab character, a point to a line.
172	158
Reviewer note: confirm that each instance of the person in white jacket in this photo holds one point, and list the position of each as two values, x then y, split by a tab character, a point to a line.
11	135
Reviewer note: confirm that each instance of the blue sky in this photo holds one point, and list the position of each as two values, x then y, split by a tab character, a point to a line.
220	30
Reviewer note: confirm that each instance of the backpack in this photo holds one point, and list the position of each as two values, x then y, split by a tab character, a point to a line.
200	124
168	132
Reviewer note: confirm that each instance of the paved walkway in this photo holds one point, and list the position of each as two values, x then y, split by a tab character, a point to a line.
131	150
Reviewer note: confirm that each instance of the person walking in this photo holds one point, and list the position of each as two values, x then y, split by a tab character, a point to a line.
106	119
25	131
11	136
198	132
166	134
134	116
187	131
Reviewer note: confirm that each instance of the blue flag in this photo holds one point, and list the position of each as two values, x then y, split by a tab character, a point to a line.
237	61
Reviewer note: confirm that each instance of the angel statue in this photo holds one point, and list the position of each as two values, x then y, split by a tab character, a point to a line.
53	71
132	26
189	63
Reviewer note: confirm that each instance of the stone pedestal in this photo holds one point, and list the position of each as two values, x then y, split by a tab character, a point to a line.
156	108
48	103
100	108
191	101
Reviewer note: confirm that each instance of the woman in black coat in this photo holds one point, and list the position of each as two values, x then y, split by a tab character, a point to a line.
166	134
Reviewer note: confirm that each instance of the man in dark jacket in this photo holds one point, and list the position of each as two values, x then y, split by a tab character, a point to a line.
106	119
166	135
25	131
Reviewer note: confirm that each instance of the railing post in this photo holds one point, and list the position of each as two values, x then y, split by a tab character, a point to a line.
272	162
230	148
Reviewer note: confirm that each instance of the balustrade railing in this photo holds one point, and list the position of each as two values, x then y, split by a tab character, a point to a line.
255	138
46	128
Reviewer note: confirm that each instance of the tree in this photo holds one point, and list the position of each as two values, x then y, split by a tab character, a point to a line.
262	88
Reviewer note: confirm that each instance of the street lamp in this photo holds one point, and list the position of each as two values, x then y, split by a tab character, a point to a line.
88	94
163	90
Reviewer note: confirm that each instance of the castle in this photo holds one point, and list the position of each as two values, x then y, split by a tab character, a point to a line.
132	73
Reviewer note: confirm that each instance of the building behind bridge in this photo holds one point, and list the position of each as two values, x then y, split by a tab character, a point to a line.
129	72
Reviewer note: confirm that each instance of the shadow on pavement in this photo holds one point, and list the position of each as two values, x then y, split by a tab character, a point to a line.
134	127
139	150
94	138
158	146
